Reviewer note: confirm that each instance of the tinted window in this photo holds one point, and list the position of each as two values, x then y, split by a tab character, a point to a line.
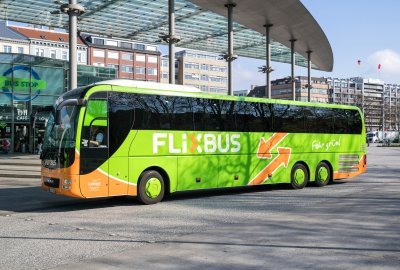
288	118
227	121
347	121
182	117
121	116
253	117
324	120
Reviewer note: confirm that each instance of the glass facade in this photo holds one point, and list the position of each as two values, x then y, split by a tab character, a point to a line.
28	83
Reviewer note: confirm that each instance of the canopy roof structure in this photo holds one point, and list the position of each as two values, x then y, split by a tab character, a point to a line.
200	24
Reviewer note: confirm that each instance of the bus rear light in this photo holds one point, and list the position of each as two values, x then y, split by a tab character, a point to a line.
365	160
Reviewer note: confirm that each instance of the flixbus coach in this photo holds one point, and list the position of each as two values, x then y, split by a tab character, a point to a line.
157	139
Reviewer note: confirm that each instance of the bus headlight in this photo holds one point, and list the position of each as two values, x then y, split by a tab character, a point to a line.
67	182
66	187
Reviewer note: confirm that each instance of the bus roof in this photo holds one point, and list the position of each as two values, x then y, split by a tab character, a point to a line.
150	85
174	89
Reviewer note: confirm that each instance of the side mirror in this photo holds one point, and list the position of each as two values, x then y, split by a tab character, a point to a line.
68	102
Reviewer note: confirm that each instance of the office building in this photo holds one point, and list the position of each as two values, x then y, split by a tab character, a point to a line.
203	70
131	59
50	44
282	89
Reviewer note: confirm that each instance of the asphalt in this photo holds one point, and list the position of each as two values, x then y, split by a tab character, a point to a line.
349	225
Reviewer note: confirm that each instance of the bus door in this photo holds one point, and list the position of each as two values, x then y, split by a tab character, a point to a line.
94	153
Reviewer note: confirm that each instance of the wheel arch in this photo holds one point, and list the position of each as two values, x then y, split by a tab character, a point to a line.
330	168
305	165
163	173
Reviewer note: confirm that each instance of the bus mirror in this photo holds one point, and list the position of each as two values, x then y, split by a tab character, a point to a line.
65	103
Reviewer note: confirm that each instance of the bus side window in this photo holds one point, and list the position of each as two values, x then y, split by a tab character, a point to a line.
95	125
182	113
324	120
310	120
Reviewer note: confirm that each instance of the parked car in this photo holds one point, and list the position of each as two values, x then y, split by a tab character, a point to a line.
372	137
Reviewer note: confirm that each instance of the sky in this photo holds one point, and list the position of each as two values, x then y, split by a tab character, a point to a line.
366	30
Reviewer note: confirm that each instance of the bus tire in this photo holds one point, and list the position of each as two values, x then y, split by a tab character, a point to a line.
299	176
151	187
323	174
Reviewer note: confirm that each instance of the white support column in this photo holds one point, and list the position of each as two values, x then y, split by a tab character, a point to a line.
309	75
171	41
293	57
74	10
268	68
229	57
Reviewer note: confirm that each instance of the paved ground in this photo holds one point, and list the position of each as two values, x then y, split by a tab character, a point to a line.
351	225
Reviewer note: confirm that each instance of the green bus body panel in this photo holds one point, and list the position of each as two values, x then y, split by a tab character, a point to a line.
197	160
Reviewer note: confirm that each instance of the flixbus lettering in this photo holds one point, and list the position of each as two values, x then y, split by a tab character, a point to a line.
207	143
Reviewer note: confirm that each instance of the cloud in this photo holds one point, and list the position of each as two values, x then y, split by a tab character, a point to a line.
390	65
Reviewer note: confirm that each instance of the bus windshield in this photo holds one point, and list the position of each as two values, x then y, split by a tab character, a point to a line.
61	136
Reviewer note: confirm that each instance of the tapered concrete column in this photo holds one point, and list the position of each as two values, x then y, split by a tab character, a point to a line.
73	10
268	68
229	57
293	61
309	75
171	43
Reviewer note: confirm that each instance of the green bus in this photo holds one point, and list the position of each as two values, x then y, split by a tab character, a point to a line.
131	138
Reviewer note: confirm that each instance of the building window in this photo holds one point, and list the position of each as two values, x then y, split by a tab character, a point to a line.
204	78
151	48
141	47
204	67
126	45
98	53
113	66
140	58
64	55
7	49
113	55
80	57
41	52
164	63
152	71
53	54
98	41
140	70
127	69
98	64
127	56
112	43
152	59
164	75
21	50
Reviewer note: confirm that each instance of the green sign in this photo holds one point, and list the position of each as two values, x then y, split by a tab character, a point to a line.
22	84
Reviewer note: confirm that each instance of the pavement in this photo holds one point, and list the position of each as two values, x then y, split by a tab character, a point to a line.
353	224
19	169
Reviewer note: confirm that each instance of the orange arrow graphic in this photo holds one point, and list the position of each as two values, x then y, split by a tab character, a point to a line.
265	146
282	159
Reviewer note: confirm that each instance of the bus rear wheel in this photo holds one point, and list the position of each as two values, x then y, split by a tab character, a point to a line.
322	174
299	176
151	187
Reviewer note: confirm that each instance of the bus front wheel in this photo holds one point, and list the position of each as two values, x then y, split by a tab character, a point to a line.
322	174
151	187
299	176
